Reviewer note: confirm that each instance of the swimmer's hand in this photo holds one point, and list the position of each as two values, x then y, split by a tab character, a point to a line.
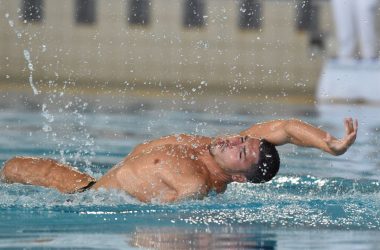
340	146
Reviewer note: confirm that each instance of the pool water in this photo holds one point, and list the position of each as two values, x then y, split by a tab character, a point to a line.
316	202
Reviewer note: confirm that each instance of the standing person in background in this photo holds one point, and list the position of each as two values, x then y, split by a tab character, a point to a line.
355	22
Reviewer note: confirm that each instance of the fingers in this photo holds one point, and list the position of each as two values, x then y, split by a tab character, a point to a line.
340	146
349	126
346	126
351	137
352	126
356	126
355	129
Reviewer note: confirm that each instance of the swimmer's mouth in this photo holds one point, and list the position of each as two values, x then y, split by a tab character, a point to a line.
219	145
222	146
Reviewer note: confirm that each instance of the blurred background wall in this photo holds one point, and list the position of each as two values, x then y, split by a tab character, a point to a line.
261	47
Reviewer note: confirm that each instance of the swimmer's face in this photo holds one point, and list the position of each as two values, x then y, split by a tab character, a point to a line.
235	154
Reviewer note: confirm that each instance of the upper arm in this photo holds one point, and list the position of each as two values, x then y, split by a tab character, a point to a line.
274	131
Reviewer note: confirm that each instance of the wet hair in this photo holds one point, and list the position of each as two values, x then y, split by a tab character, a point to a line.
268	165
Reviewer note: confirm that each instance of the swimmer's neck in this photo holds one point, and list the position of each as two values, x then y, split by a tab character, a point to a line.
218	176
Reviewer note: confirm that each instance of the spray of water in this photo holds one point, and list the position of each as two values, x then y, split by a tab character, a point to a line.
73	142
27	56
30	67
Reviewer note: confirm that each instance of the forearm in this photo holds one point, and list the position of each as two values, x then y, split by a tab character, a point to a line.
305	135
279	132
300	133
46	173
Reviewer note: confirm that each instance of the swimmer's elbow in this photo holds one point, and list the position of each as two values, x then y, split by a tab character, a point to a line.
10	171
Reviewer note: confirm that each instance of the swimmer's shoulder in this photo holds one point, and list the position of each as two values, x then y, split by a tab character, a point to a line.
167	151
176	139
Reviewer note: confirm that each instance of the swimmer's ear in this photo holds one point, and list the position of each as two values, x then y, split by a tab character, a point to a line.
239	178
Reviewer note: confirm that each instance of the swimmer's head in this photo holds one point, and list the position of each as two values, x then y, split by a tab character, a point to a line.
267	166
246	158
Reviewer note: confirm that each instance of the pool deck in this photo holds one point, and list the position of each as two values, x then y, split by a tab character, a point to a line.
128	98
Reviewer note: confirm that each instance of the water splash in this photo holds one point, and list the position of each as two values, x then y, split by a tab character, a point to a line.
45	113
27	56
51	124
30	67
11	24
287	201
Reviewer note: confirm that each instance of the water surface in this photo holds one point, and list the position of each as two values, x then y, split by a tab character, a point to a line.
317	200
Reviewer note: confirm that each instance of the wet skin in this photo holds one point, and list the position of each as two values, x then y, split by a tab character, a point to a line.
177	167
182	166
240	152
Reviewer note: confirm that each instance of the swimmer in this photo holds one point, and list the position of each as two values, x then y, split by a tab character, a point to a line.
178	167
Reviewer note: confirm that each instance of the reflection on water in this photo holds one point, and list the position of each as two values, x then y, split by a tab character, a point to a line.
212	238
169	238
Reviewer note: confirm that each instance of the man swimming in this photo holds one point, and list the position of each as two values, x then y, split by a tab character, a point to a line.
183	166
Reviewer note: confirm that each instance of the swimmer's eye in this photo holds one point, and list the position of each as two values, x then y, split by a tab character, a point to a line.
246	138
241	139
242	151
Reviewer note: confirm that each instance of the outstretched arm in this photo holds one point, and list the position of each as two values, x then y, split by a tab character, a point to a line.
46	173
300	133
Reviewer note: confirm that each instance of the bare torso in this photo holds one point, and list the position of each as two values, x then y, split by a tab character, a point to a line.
167	169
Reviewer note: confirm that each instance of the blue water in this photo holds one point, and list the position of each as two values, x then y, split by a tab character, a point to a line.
316	202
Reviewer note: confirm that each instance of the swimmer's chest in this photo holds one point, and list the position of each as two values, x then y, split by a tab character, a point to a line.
178	164
173	164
